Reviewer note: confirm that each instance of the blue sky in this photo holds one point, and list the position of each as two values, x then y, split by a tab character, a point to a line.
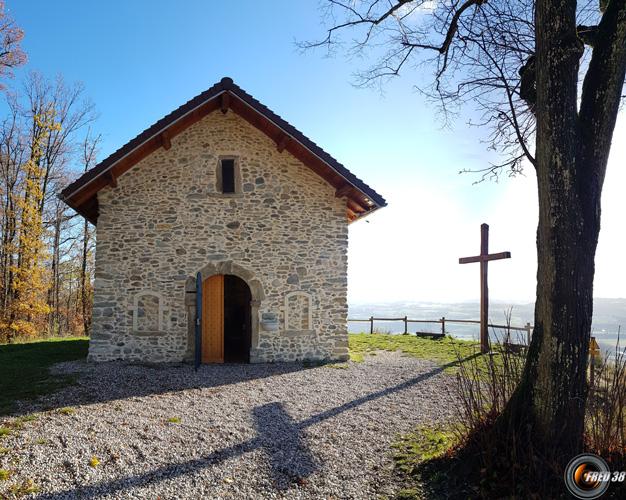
139	60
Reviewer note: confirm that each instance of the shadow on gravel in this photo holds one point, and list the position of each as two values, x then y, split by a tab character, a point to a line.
277	433
289	457
116	380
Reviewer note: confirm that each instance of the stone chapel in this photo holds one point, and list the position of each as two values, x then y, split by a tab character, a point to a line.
222	236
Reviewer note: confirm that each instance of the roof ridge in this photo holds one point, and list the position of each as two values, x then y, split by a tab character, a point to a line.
226	84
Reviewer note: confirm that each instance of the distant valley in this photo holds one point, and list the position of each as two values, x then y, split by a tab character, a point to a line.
608	315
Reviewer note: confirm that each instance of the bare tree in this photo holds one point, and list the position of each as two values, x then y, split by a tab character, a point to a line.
11	54
13	153
547	76
72	113
89	151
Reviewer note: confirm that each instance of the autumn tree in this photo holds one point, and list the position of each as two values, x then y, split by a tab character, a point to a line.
59	153
547	77
28	273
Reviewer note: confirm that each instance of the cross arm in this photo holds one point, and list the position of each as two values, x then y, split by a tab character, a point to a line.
485	258
498	256
469	260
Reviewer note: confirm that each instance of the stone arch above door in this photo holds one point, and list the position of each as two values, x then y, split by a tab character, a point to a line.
212	269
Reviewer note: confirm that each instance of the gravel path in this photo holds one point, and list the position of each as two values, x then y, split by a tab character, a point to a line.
245	431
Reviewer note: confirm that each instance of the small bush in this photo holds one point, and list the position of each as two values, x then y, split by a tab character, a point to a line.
67	411
605	424
5	431
94	462
4	474
28	418
26	487
174	420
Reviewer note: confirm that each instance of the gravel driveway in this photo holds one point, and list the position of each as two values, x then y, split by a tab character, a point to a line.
227	431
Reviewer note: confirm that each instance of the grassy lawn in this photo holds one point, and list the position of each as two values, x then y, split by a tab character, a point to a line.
444	351
24	368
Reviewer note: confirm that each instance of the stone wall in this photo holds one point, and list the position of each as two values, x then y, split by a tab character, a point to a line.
283	231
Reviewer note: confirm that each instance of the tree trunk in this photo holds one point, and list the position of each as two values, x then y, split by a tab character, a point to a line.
549	403
83	279
53	292
550	400
547	409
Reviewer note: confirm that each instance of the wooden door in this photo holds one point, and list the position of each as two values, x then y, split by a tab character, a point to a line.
213	319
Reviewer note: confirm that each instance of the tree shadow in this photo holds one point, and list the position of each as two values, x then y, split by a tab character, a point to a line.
278	434
289	457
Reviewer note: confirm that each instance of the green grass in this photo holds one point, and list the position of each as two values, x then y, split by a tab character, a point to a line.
337	366
444	351
423	444
4	474
411	454
174	420
25	368
357	357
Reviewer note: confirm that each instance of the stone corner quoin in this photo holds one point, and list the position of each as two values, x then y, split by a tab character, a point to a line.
285	231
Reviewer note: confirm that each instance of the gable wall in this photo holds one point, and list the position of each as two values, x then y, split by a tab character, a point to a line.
164	222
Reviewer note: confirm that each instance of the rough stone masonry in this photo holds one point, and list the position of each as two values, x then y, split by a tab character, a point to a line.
283	231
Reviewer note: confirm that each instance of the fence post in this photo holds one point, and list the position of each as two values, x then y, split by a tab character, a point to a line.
443	326
406	326
593	352
528	332
371	325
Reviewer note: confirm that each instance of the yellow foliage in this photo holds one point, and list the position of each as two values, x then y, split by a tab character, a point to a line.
26	313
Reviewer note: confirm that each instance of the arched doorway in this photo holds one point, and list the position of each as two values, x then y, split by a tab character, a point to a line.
226	319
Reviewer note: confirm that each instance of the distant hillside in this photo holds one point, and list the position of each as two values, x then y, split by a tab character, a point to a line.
608	315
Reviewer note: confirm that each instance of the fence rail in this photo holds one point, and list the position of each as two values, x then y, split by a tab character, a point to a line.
442	321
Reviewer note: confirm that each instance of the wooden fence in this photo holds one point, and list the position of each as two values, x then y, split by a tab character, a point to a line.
507	328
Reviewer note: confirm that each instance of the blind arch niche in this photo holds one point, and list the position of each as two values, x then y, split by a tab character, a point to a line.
298	311
148	312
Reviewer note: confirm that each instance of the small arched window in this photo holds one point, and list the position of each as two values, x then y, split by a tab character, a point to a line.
148	312
298	311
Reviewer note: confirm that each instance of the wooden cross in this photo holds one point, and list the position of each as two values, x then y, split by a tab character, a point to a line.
484	259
